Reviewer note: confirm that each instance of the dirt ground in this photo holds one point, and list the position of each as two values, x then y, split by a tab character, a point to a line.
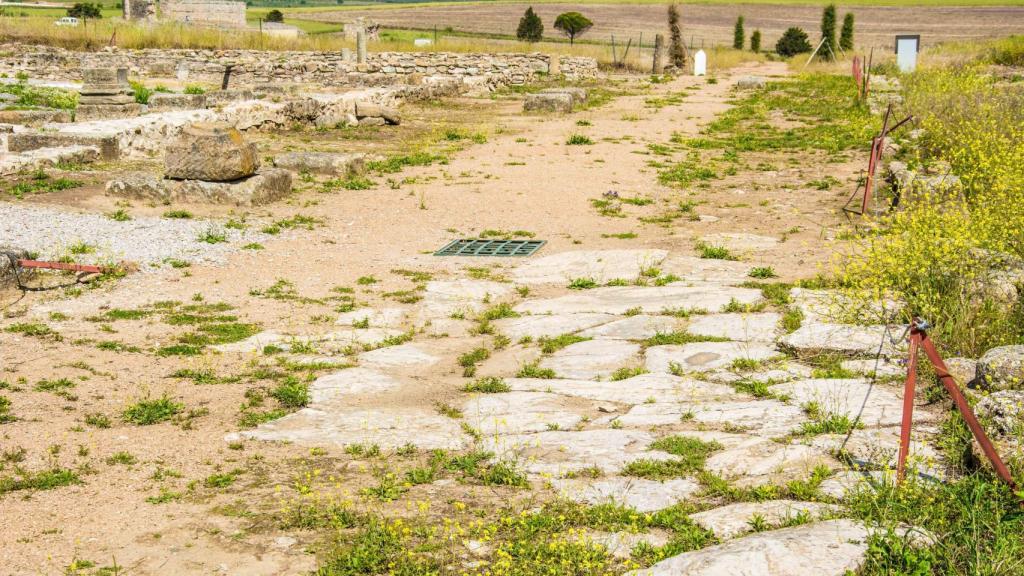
524	177
708	24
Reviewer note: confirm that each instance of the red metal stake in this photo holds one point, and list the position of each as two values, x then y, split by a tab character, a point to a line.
919	338
61	266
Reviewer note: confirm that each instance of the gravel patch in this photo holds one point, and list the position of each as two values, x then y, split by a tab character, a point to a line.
148	241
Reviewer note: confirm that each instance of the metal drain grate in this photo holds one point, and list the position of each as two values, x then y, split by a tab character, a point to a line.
490	248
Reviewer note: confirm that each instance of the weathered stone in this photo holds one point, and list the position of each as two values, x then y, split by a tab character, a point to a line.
829	548
350	382
25	141
846	482
549	325
518	413
579	95
591	359
767	417
638	327
636	390
1005	410
760	460
211	152
813	338
382	318
442	298
397	356
265	187
601	266
879	447
163	101
621	544
1002	368
735	519
333	164
34	117
372	121
694	270
701	356
846	397
743	327
560	452
637	493
620	299
880	368
374	110
750	83
139	186
548	103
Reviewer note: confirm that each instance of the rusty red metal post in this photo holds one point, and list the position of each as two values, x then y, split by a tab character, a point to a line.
71	267
919	340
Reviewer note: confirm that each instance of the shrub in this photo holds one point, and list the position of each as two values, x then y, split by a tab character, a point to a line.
573	24
85	10
676	50
147	412
755	41
793	42
828	33
738	35
846	34
140	92
531	28
275	15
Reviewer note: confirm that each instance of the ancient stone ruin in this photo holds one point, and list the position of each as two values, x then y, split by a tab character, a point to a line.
105	94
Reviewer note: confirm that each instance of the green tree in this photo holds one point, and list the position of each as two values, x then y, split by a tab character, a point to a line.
738	35
676	50
793	41
846	34
274	15
828	33
572	24
85	10
755	41
531	28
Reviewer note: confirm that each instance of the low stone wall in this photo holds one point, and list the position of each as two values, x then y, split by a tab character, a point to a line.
251	67
226	13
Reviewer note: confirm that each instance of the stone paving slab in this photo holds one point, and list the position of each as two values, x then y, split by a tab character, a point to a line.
815	337
559	452
389	428
694	270
879	446
828	548
639	327
441	298
351	381
702	356
735	519
518	413
741	241
653	299
549	325
636	390
762	326
621	544
846	397
599	265
768	417
637	493
760	460
382	318
397	356
591	358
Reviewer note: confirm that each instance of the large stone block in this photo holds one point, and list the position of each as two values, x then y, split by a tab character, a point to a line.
548	103
262	188
322	163
213	152
1002	368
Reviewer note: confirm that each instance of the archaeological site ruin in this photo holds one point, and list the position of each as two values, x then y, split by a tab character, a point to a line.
492	289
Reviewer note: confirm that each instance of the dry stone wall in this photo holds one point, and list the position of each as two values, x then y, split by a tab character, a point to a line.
251	67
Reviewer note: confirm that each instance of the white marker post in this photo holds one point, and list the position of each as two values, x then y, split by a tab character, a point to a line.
907	47
700	63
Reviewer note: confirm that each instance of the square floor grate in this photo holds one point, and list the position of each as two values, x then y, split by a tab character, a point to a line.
474	247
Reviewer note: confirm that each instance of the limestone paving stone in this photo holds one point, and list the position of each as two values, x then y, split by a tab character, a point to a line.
441	298
768	417
881	368
741	241
591	358
694	270
389	427
827	548
349	382
1002	368
361	336
815	337
763	326
702	356
636	390
734	519
637	327
845	397
760	460
879	446
621	544
560	452
549	325
638	493
382	318
518	413
650	299
600	266
397	356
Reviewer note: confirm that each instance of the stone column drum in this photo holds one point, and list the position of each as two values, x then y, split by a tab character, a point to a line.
104	94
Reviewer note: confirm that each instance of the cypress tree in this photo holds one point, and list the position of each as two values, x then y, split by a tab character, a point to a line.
846	34
738	36
828	33
755	41
676	50
531	28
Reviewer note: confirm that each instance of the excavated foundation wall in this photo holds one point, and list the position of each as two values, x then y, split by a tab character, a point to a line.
251	67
